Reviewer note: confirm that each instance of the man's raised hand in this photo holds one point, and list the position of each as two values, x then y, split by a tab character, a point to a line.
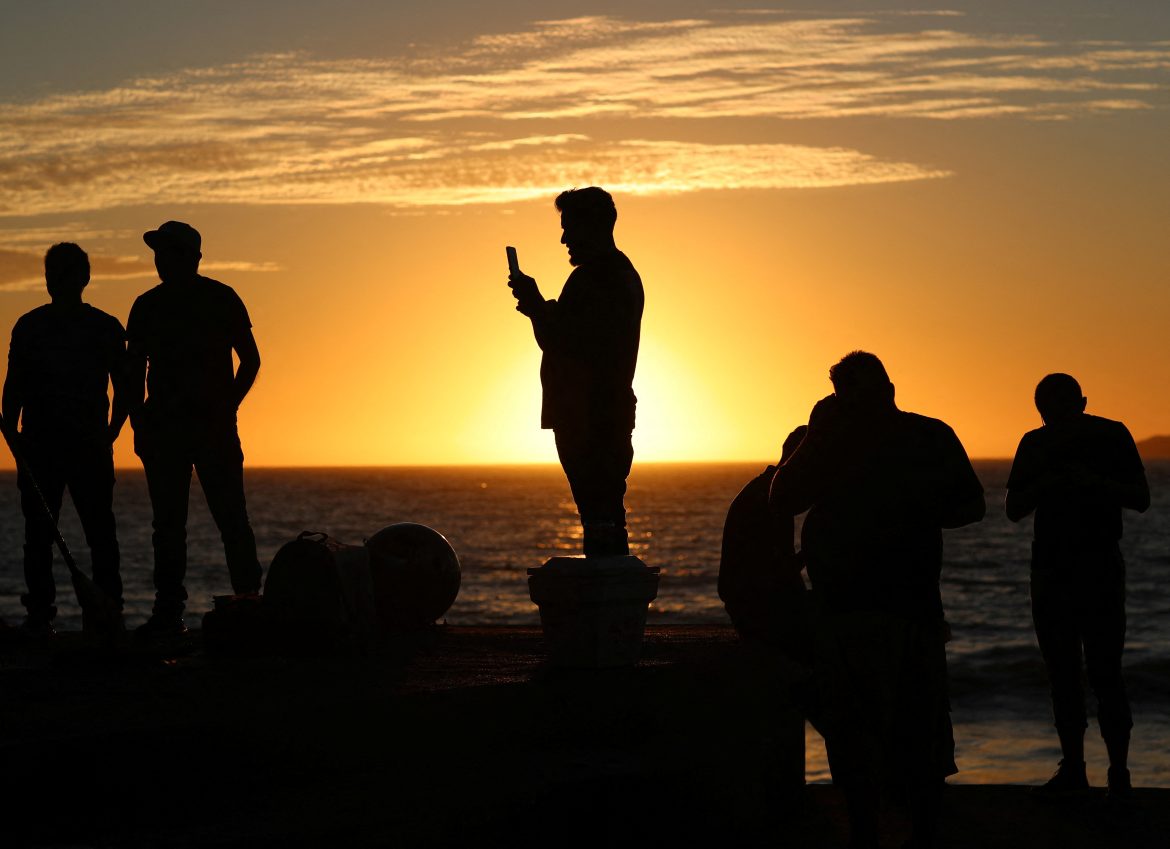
526	293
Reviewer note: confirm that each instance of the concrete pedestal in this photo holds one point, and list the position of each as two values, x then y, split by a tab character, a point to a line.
593	609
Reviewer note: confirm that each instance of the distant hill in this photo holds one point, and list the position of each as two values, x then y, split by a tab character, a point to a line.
1155	448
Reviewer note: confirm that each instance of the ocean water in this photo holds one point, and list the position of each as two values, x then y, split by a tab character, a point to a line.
502	520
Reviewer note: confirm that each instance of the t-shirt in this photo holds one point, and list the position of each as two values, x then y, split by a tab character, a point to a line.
61	359
873	539
590	336
1076	516
186	332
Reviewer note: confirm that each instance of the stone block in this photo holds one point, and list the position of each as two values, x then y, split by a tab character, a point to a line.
593	609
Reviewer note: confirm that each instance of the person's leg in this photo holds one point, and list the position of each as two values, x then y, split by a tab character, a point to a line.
597	462
924	730
168	479
91	486
863	803
220	466
853	688
1103	628
613	456
39	600
1055	620
925	808
573	453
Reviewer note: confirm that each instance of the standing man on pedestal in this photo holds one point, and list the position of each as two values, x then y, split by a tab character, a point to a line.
589	336
1077	473
181	335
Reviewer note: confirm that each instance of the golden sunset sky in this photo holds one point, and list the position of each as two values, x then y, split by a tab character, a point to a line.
978	193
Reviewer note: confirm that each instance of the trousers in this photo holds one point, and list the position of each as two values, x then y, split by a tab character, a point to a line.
215	455
1078	610
597	461
87	471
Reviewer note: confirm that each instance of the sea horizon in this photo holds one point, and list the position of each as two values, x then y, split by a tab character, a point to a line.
503	464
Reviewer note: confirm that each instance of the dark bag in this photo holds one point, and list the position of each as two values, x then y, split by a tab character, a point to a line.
319	590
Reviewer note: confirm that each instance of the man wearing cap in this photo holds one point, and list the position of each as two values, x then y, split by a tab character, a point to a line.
180	339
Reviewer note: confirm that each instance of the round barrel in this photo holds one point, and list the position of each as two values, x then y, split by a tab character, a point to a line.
415	574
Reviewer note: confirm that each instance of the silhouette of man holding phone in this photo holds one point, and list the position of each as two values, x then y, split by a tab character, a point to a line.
589	338
181	336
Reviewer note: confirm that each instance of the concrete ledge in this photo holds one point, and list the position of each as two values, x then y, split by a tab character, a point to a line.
456	737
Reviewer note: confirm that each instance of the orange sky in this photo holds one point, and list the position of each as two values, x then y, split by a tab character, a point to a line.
979	200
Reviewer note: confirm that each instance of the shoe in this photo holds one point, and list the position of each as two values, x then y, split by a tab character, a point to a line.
1068	780
158	627
37	629
1120	787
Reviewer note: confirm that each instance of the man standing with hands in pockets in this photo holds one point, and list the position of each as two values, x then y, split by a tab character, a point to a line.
181	335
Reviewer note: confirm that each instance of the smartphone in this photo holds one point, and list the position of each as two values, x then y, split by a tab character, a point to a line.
513	263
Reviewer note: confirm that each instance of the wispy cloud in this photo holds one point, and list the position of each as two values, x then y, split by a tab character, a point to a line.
510	117
22	269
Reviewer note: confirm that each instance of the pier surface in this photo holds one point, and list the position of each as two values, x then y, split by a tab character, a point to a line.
459	736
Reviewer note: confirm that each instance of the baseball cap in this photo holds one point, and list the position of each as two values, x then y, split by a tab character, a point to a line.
174	234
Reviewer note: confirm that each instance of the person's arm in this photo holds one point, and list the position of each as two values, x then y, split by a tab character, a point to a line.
1130	488
1020	502
529	301
120	405
532	304
133	369
1126	485
967	507
12	402
1025	487
1134	493
800	481
967	511
245	347
960	500
134	383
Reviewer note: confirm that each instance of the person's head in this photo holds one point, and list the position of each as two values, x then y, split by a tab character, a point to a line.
861	384
176	249
1059	398
792	443
66	270
587	219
